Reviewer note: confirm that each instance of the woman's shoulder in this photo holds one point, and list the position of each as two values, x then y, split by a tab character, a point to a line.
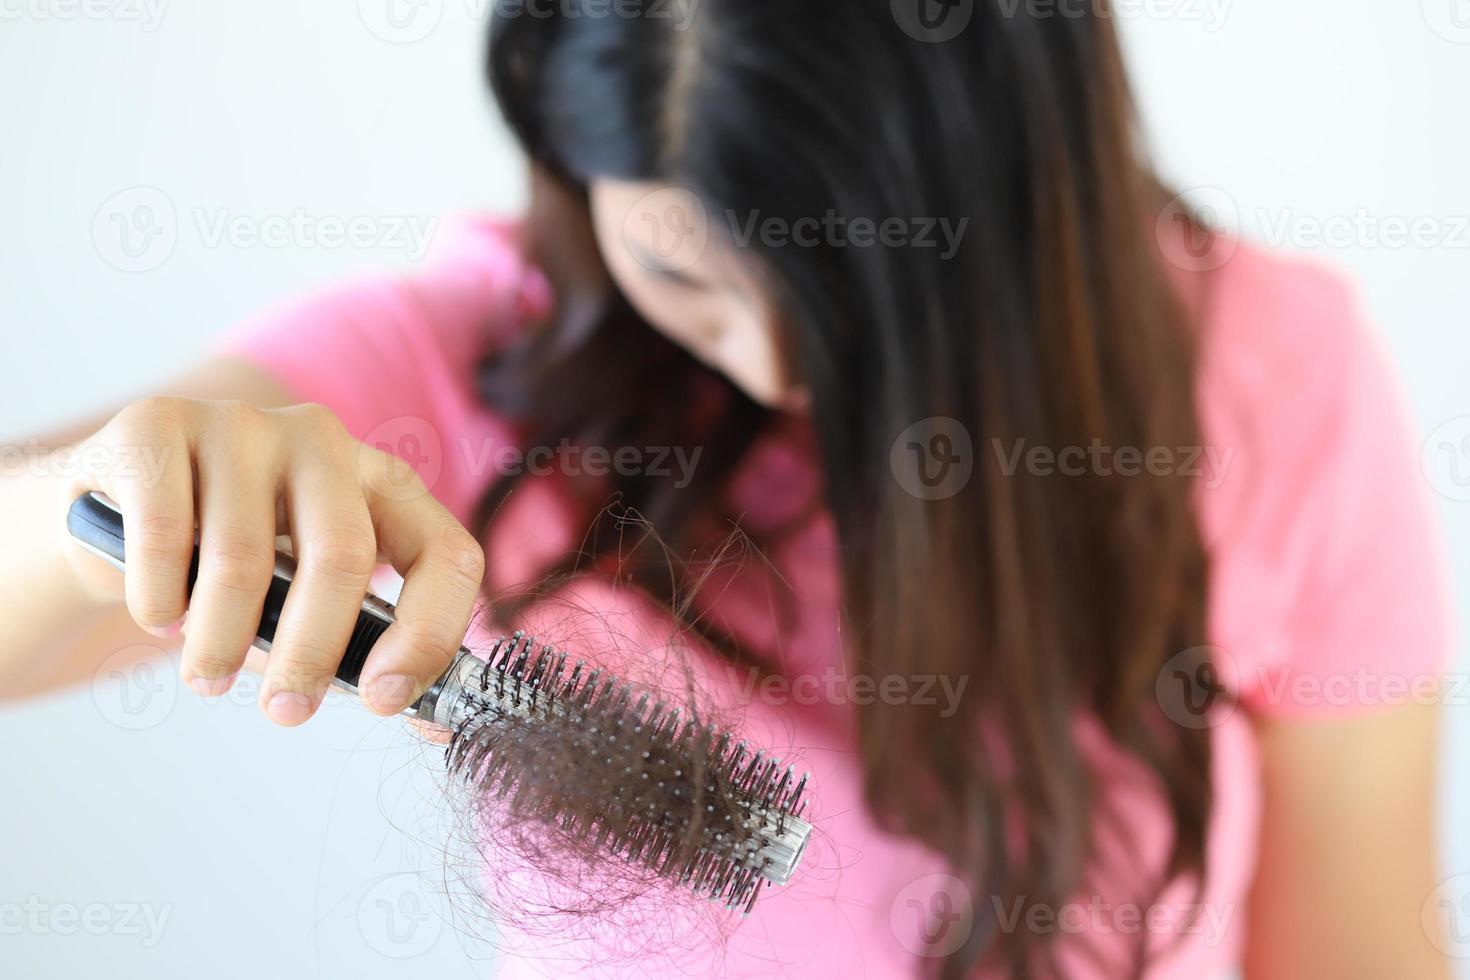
1326	560
1287	320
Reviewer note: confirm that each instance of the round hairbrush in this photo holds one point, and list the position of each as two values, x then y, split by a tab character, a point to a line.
575	748
608	763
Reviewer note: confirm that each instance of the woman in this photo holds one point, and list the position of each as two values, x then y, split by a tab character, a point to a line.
1001	420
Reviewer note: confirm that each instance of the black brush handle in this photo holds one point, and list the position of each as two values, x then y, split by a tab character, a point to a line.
98	525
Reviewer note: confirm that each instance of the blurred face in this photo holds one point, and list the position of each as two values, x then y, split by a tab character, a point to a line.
695	287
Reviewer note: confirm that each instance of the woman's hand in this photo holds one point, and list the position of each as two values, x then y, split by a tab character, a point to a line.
242	475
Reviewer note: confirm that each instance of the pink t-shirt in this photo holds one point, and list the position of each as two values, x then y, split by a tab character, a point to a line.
1328	598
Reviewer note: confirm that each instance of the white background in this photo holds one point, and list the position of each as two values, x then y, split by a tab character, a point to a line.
284	854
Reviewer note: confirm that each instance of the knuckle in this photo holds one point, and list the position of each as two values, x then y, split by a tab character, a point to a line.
462	554
385	470
160	538
426	639
154	418
302	661
345	553
155	411
317	419
154	606
237	561
245	422
206	659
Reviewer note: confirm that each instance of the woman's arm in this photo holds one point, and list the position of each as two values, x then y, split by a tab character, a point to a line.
1347	853
220	453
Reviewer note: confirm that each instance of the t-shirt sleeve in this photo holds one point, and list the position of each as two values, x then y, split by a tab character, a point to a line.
1331	586
396	357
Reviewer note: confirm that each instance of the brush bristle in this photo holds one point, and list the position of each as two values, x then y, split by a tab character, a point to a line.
602	761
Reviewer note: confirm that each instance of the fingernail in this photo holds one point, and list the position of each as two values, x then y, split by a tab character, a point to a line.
288	709
213	687
168	632
390	692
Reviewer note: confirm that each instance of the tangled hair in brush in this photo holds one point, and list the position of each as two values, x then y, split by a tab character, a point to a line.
620	811
601	763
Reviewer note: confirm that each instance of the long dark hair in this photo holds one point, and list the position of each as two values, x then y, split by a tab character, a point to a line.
1052	324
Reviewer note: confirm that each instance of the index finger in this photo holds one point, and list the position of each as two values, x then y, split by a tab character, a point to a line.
443	569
